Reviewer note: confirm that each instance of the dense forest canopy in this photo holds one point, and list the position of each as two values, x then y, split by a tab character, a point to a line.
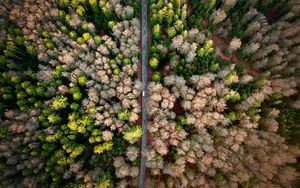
223	93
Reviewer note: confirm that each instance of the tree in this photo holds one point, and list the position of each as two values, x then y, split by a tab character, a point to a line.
153	63
157	31
156	77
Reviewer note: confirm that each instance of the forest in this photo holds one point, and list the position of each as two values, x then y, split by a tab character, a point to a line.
223	100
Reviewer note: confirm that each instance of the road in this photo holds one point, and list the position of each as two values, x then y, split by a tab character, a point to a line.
145	49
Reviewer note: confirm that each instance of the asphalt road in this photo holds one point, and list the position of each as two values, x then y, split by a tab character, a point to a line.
145	49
